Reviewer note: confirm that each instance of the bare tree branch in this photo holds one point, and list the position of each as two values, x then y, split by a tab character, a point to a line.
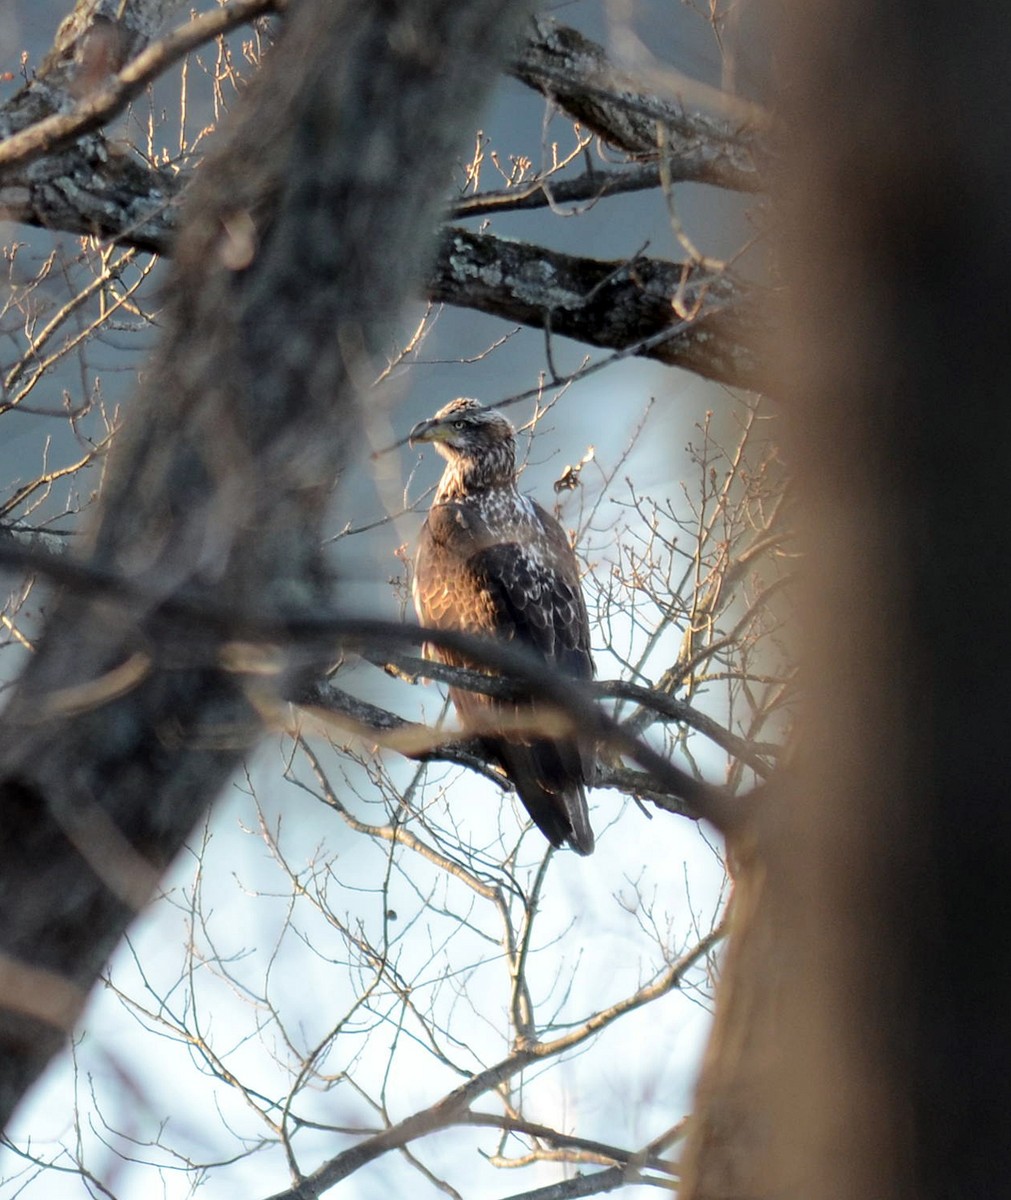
543	192
452	1108
322	632
110	97
576	73
616	305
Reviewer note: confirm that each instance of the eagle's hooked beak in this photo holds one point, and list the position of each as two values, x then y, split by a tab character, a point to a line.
426	431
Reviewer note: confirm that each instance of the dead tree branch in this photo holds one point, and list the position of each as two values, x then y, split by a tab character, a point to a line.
578	75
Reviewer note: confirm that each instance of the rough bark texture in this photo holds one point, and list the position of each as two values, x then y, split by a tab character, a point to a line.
91	187
617	305
304	234
576	73
885	1071
115	29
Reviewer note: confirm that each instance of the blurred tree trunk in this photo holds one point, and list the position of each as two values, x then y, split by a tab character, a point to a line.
306	231
863	1041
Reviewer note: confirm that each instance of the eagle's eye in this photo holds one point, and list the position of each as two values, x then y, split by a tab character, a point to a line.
459	424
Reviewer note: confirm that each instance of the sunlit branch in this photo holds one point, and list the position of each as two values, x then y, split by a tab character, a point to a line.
577	74
622	306
40	340
112	96
452	1107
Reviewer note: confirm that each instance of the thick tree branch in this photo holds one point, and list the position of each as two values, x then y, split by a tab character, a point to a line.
89	188
714	322
110	96
577	74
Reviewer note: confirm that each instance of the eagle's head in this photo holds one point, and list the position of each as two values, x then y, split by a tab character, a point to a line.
463	426
477	441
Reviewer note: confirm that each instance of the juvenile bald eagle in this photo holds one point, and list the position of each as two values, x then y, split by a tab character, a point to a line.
492	562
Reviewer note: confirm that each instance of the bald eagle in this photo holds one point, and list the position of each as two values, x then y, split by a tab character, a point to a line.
492	562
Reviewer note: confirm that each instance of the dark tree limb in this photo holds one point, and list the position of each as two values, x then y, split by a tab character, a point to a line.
89	190
107	97
285	273
713	321
368	721
347	714
595	1183
662	705
89	187
545	191
577	74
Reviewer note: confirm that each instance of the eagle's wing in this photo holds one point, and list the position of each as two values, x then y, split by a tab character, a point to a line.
528	593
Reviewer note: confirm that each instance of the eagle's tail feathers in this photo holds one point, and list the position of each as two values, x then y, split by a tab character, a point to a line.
550	786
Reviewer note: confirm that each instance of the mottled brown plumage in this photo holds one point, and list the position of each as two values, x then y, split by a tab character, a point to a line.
493	563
